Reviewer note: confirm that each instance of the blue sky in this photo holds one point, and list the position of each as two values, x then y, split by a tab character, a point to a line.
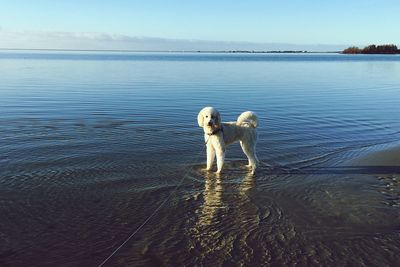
301	22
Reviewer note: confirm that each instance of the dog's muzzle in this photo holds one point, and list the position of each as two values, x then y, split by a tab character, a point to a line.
216	131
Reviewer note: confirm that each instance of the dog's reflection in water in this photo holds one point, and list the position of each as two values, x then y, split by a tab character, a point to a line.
213	205
225	207
212	195
247	184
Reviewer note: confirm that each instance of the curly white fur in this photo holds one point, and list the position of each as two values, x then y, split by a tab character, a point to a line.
219	134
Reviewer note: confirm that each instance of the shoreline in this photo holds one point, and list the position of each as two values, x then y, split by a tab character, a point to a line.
384	165
382	158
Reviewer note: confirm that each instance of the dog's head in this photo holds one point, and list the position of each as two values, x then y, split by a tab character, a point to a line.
209	119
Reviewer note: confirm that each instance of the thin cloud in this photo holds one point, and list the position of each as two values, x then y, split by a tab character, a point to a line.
104	41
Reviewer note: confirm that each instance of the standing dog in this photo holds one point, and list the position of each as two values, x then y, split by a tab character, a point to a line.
219	134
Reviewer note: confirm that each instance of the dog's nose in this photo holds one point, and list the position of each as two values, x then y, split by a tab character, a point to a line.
209	123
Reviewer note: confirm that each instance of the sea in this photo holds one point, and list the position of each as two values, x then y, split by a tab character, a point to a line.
102	160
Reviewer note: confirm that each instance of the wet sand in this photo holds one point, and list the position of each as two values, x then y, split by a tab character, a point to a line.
385	165
385	158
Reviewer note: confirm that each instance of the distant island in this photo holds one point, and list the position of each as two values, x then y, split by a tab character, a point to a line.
373	49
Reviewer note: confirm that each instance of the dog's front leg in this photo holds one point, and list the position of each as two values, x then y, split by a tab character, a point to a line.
220	158
210	156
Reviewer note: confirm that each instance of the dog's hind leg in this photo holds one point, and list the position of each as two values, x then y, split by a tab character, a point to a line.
250	151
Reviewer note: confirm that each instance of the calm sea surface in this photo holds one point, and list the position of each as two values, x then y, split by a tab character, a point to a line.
91	144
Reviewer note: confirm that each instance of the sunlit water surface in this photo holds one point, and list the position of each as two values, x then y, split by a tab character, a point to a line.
92	143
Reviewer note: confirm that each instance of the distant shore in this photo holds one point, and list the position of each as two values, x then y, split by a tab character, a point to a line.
350	51
175	51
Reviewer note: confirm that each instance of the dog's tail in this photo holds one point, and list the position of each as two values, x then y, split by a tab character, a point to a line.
248	118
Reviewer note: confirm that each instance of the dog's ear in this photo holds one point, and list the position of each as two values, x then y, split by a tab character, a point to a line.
218	120
200	118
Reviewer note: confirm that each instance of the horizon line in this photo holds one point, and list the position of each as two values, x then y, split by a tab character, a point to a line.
166	51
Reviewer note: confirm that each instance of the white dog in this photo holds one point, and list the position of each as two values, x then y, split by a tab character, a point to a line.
218	135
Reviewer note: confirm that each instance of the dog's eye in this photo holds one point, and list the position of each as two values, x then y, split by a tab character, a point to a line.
206	116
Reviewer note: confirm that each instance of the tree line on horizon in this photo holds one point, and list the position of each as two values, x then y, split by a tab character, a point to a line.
373	49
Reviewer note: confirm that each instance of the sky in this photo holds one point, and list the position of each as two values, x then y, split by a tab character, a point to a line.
198	24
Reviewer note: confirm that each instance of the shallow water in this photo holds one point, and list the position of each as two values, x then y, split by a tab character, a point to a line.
93	143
